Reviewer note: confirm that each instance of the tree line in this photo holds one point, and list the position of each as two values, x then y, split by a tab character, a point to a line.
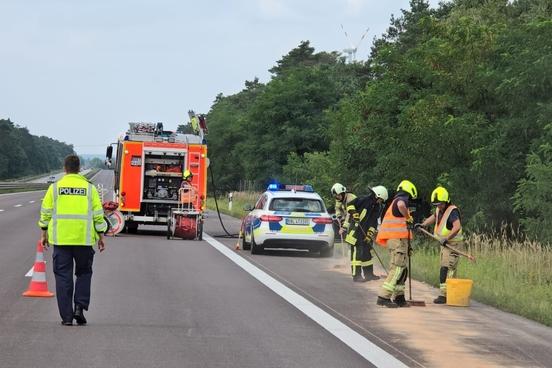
459	95
23	154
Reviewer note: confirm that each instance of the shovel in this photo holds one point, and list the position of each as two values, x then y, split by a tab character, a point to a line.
413	303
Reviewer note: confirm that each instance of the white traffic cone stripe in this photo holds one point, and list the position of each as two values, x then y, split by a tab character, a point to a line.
39	276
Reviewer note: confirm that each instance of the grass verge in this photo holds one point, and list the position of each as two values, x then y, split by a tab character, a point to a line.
239	200
511	275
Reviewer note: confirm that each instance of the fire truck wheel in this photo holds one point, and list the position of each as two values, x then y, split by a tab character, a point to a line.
169	233
200	230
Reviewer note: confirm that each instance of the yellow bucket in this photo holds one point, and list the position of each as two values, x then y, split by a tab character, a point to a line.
458	292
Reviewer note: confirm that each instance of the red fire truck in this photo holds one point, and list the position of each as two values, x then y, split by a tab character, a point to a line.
149	184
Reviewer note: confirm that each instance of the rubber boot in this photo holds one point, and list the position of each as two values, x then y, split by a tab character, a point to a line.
441	299
383	302
368	272
357	276
401	301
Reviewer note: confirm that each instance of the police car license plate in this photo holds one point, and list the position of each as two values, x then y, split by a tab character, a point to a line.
297	221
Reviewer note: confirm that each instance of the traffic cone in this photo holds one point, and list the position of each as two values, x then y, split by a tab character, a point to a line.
237	247
38	287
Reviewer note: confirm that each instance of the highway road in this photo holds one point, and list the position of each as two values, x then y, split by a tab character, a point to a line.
176	303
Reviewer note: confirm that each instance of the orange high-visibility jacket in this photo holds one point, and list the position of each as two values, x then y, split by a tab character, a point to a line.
392	227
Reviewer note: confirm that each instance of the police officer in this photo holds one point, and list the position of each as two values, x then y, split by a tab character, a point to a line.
365	212
394	233
448	229
72	219
342	198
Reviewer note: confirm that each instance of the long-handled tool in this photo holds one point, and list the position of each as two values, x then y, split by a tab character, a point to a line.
413	303
374	249
468	256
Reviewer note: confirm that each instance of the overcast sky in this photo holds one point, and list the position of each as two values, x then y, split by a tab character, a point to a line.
79	71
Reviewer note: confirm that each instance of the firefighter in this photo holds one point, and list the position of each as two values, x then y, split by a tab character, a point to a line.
394	233
365	212
448	228
342	198
187	193
72	219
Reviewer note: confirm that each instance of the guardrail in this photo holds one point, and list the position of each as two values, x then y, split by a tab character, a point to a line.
16	186
21	186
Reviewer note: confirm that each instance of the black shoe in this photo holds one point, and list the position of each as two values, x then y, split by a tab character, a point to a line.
440	300
359	278
401	301
67	323
386	303
370	277
79	315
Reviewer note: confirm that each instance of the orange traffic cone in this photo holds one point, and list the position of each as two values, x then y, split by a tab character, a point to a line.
38	285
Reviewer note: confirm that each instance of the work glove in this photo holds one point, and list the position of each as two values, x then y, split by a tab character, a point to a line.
410	222
370	233
443	242
356	217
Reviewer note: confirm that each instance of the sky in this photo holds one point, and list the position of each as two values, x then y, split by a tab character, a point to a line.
79	71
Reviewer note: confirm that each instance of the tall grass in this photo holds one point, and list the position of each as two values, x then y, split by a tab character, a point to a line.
239	200
512	275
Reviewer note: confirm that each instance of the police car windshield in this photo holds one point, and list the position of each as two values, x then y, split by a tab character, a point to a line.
296	205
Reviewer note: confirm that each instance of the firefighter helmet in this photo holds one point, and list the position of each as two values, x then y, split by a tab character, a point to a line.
338	189
440	195
187	175
381	192
408	187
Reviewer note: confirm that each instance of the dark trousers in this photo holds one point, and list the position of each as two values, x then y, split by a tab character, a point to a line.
64	256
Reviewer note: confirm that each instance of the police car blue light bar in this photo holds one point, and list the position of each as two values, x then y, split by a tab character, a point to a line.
298	188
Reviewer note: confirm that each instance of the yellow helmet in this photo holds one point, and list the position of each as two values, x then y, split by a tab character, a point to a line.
408	187
440	195
187	175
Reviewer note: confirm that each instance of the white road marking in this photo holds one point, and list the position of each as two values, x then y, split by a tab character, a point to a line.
1	210
32	201
369	351
18	205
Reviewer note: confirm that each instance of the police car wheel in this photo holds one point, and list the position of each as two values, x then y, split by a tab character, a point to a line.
255	249
245	245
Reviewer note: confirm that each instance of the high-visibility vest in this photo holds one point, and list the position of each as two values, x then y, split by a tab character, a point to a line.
392	227
341	208
440	230
72	212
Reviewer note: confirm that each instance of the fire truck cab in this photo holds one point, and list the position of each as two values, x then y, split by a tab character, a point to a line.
148	173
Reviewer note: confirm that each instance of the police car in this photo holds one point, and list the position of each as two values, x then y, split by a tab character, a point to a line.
288	216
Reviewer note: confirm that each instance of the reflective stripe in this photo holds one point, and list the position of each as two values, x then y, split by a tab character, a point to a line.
54	217
389	221
101	227
394	229
39	257
90	216
440	228
43	223
71	217
367	263
98	212
351	208
363	214
46	210
39	276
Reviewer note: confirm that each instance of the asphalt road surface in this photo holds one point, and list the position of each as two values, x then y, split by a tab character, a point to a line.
175	303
